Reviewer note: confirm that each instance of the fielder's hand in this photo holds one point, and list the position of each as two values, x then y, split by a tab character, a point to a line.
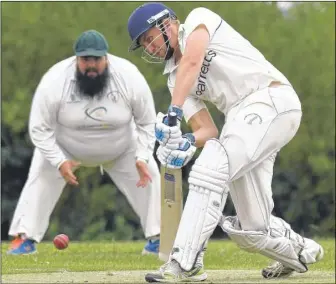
67	168
144	174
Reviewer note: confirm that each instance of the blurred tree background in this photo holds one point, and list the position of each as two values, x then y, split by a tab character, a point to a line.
300	42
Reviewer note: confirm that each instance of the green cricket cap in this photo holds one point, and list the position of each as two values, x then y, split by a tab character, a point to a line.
91	43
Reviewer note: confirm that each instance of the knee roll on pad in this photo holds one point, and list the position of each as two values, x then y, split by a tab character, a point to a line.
211	168
204	204
279	242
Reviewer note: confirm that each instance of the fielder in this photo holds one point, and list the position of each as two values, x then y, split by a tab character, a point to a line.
92	109
207	60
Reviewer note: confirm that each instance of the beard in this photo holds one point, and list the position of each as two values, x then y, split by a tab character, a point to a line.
91	86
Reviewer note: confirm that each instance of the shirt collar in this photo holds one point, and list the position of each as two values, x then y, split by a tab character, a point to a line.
170	64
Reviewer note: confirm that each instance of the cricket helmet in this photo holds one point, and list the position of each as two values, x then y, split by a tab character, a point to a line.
144	18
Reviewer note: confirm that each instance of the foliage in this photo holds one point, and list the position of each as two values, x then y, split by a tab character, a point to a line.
300	43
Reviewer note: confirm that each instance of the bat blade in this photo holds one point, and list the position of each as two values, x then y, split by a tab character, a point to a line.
171	209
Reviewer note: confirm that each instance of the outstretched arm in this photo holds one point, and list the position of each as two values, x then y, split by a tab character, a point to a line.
42	123
190	64
143	108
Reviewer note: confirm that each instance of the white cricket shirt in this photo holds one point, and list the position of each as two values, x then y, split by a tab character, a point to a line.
232	68
92	131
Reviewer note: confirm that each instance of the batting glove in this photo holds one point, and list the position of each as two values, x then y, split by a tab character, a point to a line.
178	158
169	136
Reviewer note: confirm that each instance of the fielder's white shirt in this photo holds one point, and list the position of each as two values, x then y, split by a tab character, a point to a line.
232	68
93	131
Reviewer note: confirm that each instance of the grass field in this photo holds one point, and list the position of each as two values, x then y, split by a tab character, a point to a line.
121	262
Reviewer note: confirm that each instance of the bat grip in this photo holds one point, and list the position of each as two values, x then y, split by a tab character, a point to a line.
172	119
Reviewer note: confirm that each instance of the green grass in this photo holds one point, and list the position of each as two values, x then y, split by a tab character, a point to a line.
117	256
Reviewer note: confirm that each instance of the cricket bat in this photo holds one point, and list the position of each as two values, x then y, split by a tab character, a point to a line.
171	203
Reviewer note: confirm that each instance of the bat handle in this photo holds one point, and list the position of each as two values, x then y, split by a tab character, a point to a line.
172	119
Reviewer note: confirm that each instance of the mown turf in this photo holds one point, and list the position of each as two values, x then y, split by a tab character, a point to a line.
117	256
138	276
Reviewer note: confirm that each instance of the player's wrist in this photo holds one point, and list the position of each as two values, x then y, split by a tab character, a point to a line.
178	110
58	166
140	159
190	137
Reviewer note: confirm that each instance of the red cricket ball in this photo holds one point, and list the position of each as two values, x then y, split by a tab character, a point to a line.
61	241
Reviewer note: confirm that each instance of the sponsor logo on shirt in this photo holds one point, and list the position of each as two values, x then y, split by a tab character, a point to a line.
201	82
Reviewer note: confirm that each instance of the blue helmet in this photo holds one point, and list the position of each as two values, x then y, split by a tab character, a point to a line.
145	17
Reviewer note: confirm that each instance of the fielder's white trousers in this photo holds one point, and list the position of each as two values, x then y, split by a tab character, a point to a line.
44	187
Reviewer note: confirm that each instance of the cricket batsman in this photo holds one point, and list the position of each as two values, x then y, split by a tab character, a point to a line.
92	109
207	60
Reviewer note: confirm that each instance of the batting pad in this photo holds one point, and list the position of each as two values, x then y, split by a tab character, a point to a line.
280	243
204	205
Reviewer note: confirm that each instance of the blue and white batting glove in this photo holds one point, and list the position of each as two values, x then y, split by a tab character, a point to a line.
176	159
169	136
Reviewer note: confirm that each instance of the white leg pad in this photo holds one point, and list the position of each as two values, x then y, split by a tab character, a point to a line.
204	204
280	243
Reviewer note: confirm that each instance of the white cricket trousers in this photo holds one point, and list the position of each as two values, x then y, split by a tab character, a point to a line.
45	184
255	130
